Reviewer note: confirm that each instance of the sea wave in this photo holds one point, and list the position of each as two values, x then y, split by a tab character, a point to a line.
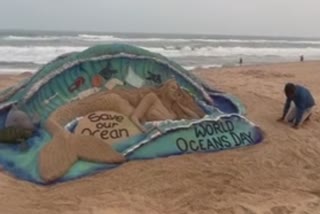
192	67
43	54
97	37
112	38
34	54
16	70
259	41
32	38
91	37
221	51
106	38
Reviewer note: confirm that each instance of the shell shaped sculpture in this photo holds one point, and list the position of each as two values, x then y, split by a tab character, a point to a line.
121	86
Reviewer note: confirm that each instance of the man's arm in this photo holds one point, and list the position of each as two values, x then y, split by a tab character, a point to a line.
286	108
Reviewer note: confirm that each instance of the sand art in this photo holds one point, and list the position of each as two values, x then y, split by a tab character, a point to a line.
114	103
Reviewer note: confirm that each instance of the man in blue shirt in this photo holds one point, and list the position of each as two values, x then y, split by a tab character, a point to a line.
303	104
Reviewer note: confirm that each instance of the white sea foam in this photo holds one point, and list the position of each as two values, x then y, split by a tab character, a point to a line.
34	54
90	37
192	67
262	41
15	70
111	38
97	37
220	51
32	38
43	54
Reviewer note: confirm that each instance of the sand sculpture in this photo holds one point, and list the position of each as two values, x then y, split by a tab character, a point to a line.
140	105
165	111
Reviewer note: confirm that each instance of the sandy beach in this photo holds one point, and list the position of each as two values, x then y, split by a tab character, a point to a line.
279	176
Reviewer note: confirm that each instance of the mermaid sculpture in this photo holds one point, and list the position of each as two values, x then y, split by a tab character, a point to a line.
140	105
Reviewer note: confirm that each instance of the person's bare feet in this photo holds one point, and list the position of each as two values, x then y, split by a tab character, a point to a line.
280	119
308	118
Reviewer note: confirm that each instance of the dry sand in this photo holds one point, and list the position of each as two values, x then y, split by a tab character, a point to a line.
279	176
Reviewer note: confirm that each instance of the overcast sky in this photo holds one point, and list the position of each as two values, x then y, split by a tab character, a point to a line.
235	17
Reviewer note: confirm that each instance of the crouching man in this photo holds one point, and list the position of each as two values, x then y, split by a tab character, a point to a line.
302	105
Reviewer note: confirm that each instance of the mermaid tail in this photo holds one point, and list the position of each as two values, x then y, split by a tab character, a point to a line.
94	149
56	158
65	148
62	152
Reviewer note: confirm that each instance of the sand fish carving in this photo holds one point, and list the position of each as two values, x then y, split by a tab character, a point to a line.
156	78
76	84
19	119
108	72
15	135
97	81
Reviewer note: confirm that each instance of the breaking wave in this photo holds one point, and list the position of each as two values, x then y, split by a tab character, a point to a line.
32	38
221	51
112	38
43	54
34	54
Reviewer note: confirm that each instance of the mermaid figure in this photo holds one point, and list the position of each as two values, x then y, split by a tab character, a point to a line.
169	101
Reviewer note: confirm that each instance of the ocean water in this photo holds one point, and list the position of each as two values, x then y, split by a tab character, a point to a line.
29	50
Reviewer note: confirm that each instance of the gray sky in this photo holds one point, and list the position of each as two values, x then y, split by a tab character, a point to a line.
239	17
